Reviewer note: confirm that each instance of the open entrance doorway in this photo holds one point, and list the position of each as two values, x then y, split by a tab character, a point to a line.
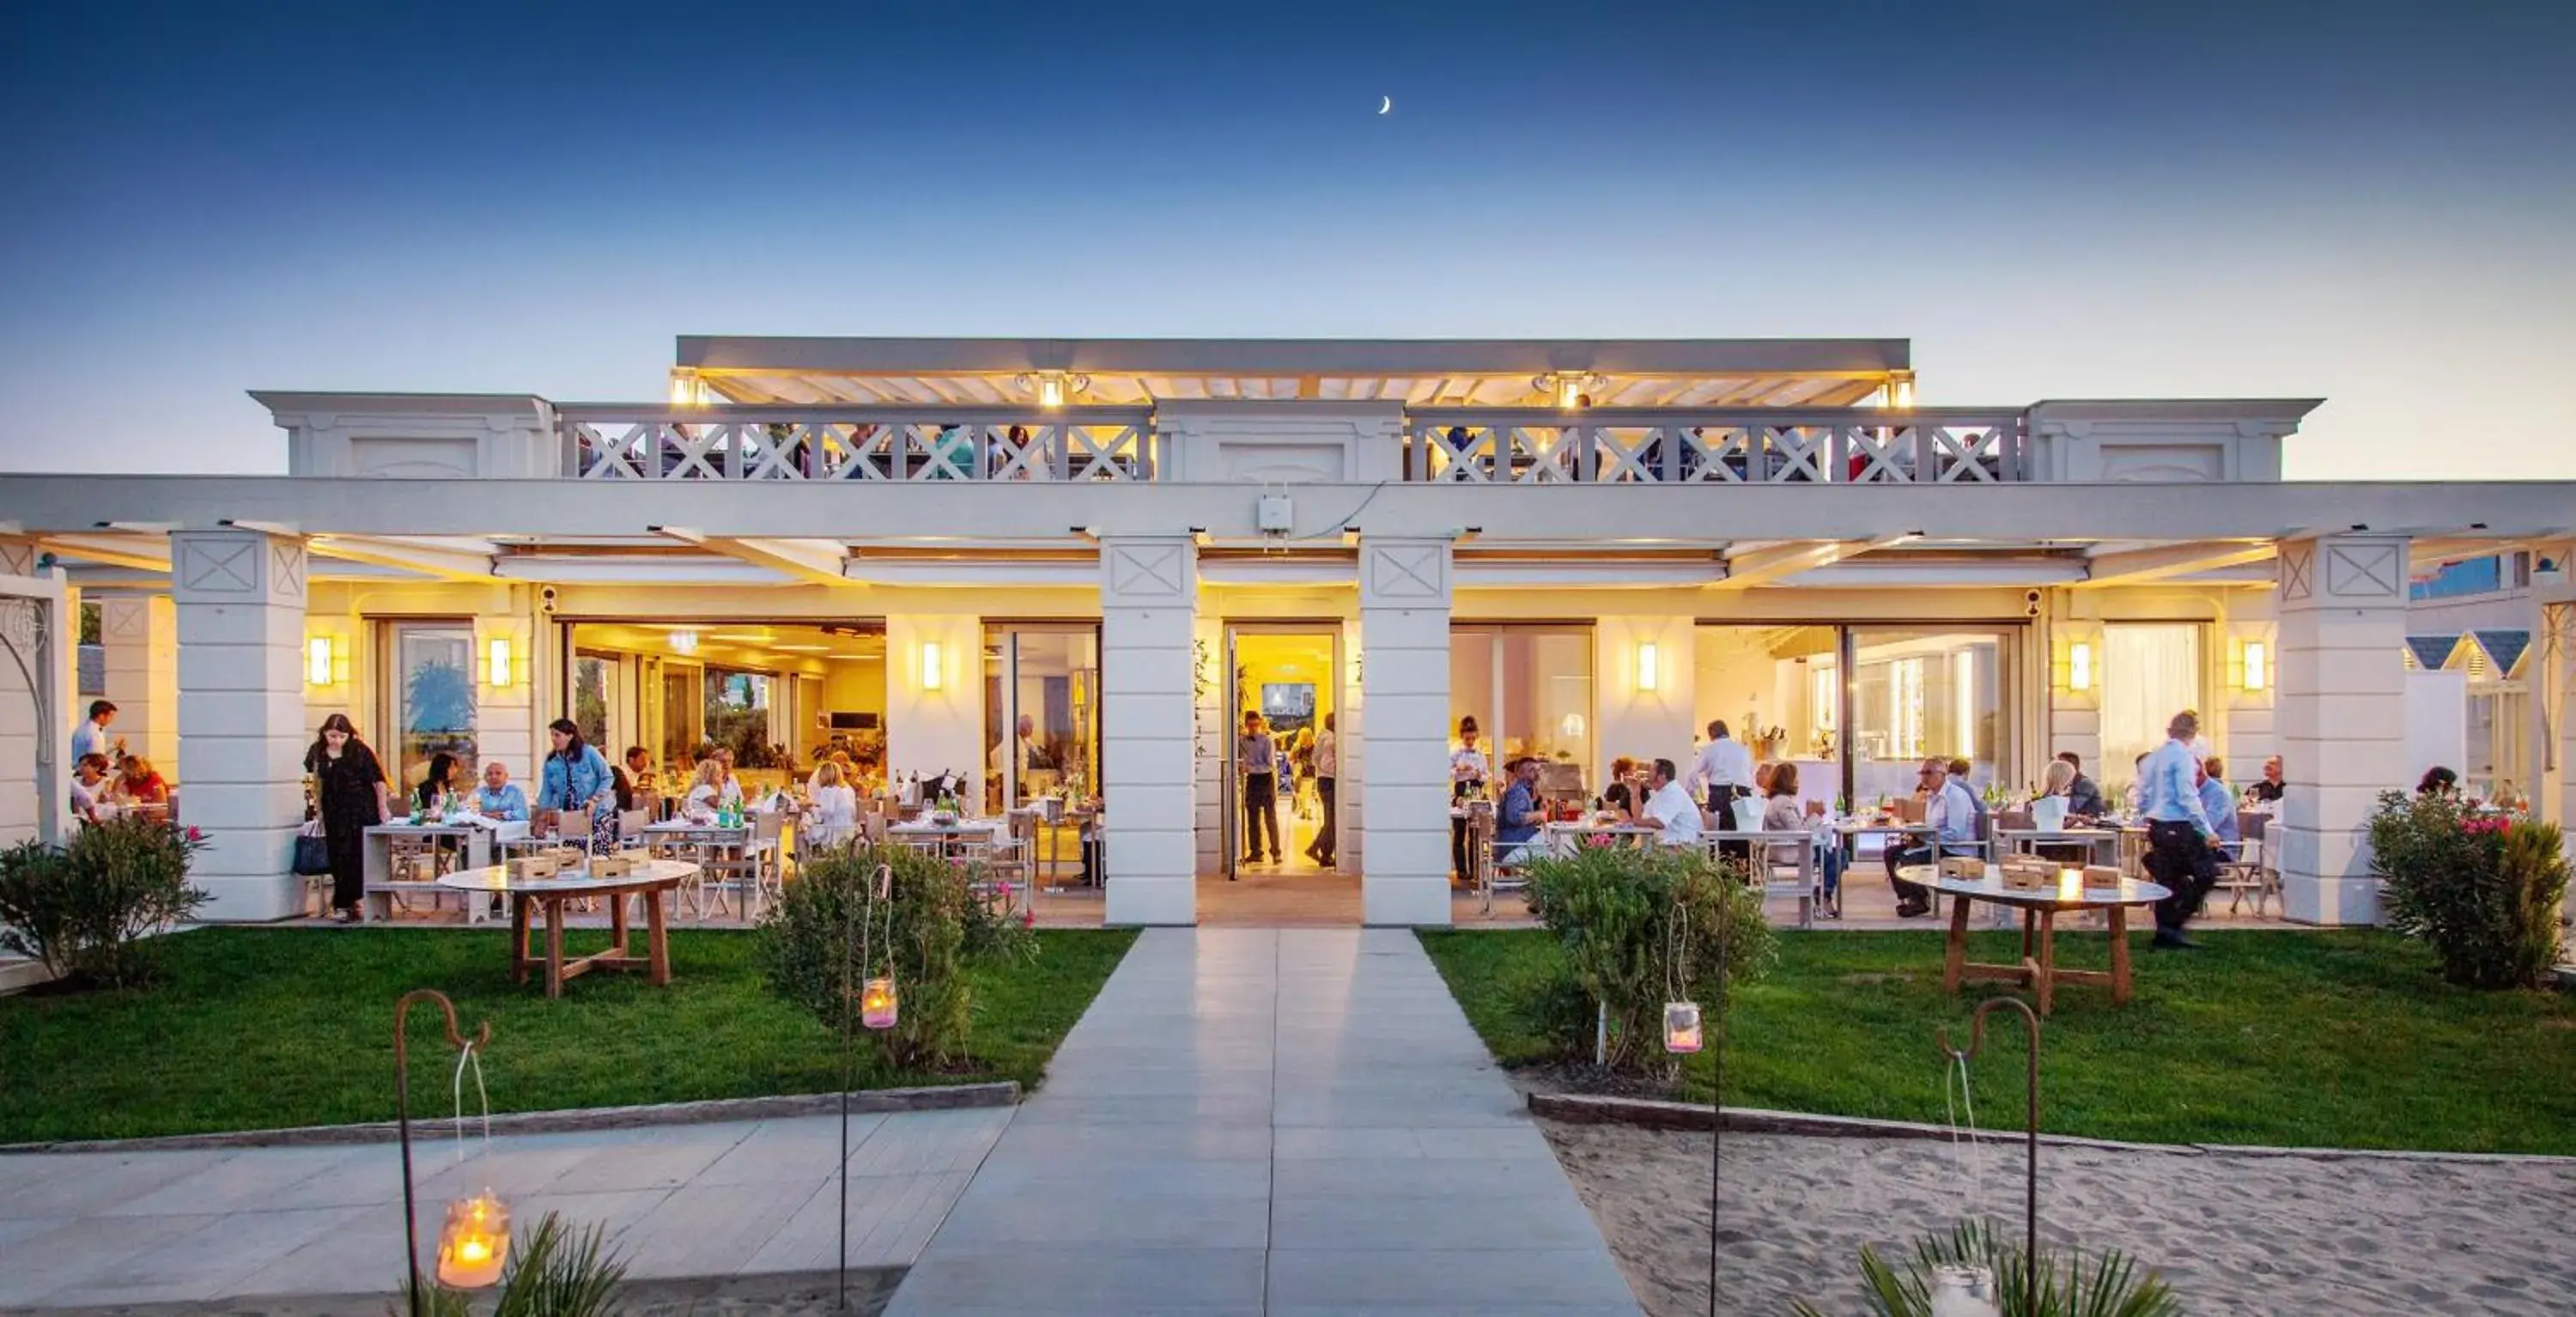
1287	681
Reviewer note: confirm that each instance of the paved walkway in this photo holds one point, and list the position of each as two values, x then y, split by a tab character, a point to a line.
1270	1121
92	1229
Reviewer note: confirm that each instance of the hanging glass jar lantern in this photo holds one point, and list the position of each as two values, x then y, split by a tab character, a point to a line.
474	1243
1681	1026
877	1004
1964	1292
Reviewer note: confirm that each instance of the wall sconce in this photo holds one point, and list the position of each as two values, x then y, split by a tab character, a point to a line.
2079	666
2253	666
497	662
934	669
1053	387
318	665
1649	671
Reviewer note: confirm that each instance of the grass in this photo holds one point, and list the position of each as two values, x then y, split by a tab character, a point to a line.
2309	1039
268	1028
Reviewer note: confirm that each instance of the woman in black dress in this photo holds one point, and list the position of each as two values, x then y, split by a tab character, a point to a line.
349	788
439	784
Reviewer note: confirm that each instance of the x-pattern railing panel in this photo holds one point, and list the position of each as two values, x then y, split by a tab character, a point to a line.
857	443
1642	446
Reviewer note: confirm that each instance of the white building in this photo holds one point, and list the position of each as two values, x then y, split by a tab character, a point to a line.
1593	547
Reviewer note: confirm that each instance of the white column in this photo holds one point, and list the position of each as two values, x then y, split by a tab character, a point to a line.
1405	589
2341	715
141	636
39	632
1149	589
241	714
935	697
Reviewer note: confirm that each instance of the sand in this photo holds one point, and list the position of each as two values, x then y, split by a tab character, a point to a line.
2232	1233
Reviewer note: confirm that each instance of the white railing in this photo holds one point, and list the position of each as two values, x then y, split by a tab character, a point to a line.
857	443
1535	446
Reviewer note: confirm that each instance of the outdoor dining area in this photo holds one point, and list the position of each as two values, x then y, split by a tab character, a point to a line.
666	861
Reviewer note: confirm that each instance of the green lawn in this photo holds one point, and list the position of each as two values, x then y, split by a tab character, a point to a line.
2324	1039
263	1028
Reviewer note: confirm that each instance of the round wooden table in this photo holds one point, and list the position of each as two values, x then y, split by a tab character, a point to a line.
2039	908
650	880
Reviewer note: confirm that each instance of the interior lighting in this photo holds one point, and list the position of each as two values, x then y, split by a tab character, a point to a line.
2258	673
2079	666
1649	670
684	642
1054	388
317	661
497	661
934	669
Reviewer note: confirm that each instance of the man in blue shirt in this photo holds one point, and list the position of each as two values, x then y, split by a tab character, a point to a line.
1518	818
1950	810
2181	854
2219	803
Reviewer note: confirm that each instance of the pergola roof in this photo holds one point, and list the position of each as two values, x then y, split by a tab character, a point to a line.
1483	372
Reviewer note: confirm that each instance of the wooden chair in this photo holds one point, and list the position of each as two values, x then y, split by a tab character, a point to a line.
2249	870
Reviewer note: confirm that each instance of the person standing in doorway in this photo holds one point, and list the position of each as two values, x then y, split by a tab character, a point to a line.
2181	854
1256	759
1328	764
350	793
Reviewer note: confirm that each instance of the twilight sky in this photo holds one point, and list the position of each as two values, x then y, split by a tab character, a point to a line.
2366	201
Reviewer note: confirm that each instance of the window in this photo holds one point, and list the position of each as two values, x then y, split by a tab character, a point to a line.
594	694
737	715
431	686
2150	672
1921	692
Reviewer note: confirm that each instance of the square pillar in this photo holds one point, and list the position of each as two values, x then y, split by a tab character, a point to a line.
140	634
1149	587
1405	588
240	609
2341	717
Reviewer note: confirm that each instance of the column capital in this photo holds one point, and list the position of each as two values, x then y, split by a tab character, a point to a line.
1148	571
1405	571
2353	570
236	566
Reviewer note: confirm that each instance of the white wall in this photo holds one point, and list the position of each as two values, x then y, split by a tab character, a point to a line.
1642	724
931	731
2437	724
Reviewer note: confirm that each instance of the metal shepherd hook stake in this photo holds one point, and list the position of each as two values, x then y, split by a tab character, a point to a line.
2030	1171
402	1112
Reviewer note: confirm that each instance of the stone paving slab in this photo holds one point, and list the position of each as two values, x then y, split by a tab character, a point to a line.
1270	1121
96	1229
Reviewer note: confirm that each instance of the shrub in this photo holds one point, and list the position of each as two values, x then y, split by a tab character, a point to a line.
2482	890
89	910
2112	1286
929	928
1640	925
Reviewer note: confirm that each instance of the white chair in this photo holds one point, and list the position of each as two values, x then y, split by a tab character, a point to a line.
2249	871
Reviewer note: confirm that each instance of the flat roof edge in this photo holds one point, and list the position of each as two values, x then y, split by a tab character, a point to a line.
1296	356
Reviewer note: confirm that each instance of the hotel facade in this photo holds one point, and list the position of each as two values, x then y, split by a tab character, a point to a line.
1069	566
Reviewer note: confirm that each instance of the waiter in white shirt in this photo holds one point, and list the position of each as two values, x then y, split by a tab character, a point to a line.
1724	771
1469	769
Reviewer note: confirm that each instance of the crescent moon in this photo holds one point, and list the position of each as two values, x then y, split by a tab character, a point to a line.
1385	104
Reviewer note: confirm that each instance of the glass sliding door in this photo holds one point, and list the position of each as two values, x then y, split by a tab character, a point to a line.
1041	711
1918	692
431	689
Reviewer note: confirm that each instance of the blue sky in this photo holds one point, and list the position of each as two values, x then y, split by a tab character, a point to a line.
2369	202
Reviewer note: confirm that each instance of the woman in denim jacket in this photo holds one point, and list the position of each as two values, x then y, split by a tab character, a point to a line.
577	777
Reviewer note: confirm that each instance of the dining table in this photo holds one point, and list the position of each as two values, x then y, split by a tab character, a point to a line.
2073	892
2095	841
541	900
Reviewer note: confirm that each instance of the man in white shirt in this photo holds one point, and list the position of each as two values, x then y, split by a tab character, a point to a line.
1670	807
90	738
1724	771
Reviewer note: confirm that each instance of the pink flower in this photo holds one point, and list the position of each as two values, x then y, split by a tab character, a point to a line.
196	833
